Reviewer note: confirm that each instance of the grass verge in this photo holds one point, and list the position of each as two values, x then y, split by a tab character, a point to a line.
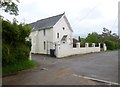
18	66
112	50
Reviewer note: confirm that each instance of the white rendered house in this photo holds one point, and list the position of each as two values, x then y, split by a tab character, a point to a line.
53	35
49	32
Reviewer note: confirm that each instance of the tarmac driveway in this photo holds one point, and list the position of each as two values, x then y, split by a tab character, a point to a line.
68	71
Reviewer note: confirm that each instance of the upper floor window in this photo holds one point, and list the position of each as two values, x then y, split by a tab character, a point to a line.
63	28
44	32
57	35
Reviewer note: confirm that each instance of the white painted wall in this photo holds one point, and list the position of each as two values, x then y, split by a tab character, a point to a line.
58	28
62	51
33	37
38	38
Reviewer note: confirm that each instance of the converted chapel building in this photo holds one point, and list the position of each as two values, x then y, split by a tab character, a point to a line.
49	32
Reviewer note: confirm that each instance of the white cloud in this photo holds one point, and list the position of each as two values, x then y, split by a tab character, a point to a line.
85	16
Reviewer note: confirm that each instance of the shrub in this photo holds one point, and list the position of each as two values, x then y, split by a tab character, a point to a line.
22	52
101	45
90	44
82	44
7	54
96	44
15	47
111	45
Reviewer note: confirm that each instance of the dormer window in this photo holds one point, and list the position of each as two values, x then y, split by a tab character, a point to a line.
63	28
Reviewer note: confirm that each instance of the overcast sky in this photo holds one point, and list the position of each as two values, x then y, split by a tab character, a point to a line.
85	16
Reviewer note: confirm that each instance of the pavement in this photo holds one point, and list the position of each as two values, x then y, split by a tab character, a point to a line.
87	69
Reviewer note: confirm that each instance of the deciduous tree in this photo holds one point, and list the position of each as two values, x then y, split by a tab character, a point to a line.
9	6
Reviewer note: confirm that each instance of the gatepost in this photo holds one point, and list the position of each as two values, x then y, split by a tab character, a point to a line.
78	45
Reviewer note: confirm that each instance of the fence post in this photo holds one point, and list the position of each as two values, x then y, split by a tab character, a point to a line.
93	44
99	44
86	44
104	47
57	49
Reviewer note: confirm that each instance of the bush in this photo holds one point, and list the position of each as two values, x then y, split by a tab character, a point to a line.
96	44
111	45
22	52
82	44
101	45
15	47
11	54
90	44
7	54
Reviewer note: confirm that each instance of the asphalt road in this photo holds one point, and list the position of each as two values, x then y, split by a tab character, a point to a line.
67	71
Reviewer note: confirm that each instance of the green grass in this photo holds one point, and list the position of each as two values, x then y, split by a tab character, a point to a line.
18	66
112	50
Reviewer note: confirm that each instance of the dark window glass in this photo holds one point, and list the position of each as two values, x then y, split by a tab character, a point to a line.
57	35
44	45
63	28
44	32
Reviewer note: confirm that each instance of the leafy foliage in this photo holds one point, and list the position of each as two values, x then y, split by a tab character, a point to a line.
9	6
111	45
92	38
112	40
15	47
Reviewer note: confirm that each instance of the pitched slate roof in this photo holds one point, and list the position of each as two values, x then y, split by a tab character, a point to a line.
45	23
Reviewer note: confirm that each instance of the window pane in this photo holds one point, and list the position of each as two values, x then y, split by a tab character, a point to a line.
44	32
57	35
44	45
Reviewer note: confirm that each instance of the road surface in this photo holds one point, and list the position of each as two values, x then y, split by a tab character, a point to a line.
68	71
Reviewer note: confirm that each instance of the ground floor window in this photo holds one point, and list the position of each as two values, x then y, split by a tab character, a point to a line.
44	45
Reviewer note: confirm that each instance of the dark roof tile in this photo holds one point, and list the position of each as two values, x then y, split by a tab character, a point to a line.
45	23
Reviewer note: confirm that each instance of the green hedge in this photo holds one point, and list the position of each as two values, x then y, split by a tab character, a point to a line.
7	54
12	54
14	45
111	45
90	44
82	44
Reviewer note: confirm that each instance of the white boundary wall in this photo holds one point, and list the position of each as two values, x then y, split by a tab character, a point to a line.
64	51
